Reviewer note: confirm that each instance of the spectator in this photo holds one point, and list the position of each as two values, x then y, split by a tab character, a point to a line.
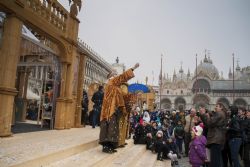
85	104
216	124
234	136
97	99
246	137
179	136
189	124
197	150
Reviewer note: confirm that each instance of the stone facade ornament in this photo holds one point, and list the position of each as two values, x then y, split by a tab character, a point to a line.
77	4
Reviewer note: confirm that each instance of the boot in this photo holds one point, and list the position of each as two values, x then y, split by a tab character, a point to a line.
176	163
106	149
159	156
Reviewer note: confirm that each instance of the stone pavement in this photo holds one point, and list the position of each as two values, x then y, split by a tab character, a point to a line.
73	147
24	147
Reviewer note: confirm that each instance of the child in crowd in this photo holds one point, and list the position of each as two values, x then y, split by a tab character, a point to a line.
197	150
158	145
179	135
172	151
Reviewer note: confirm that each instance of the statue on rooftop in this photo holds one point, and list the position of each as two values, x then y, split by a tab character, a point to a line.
117	60
77	4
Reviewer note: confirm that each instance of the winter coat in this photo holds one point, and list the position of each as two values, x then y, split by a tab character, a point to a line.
245	126
216	125
97	98
113	96
234	130
197	150
179	131
141	134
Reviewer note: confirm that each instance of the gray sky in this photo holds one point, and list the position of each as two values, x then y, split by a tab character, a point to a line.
142	30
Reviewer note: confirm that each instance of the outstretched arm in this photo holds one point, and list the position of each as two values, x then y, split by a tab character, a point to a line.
124	77
135	66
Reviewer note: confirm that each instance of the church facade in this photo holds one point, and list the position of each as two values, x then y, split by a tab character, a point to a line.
205	87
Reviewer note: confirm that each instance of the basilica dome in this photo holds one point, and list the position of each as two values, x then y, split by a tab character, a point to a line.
207	69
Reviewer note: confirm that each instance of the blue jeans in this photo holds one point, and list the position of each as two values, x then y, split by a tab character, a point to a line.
234	145
215	153
179	143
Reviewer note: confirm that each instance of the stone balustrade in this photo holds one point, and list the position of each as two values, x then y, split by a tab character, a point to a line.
50	10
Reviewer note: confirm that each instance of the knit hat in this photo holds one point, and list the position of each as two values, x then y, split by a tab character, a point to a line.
197	130
159	132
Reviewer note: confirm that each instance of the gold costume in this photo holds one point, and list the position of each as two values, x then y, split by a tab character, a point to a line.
113	106
124	119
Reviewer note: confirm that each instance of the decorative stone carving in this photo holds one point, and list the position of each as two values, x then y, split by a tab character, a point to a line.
77	4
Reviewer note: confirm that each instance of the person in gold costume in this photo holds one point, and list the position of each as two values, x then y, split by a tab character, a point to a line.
113	105
129	100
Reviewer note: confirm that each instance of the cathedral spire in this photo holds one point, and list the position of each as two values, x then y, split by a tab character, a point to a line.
188	74
205	59
181	70
174	76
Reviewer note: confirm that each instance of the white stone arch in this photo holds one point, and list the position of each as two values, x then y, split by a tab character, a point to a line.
201	100
180	101
240	102
166	103
201	84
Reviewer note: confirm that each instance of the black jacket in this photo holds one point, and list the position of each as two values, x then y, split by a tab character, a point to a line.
245	126
85	100
98	98
234	128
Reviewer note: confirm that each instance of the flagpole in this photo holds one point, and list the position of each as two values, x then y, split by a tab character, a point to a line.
160	82
196	84
233	78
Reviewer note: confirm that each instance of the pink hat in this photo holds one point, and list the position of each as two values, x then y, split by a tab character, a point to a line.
159	132
197	130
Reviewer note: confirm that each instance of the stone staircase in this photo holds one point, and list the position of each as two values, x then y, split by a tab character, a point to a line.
77	147
131	155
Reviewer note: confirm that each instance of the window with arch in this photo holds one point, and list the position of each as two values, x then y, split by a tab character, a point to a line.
201	85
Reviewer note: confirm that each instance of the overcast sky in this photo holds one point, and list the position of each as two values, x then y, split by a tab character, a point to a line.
142	30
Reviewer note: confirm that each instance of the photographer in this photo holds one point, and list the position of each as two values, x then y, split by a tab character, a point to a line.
216	133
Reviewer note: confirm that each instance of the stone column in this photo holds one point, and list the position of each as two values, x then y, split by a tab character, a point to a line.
60	103
9	57
78	114
69	116
21	97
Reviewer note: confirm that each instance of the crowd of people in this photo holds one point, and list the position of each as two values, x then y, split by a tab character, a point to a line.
218	138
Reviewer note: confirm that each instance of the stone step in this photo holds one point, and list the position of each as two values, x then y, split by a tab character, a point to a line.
61	154
165	163
131	155
128	158
40	148
70	148
92	157
147	159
